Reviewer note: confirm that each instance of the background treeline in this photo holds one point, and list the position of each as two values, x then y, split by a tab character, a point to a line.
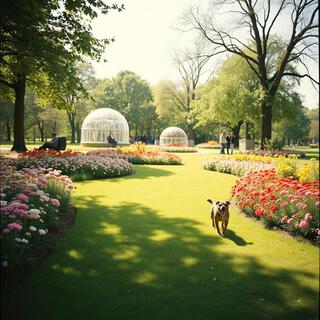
225	101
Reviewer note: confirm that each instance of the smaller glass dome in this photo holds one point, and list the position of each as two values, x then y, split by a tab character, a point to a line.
173	135
99	123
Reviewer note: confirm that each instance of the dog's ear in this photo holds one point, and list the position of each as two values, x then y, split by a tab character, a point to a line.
217	203
228	203
209	200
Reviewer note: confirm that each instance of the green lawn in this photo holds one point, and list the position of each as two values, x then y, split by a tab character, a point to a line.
142	247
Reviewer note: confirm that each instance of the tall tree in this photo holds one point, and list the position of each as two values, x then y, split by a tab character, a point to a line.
233	98
313	115
127	93
259	18
44	37
178	97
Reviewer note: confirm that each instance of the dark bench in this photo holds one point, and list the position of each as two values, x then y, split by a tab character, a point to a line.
62	144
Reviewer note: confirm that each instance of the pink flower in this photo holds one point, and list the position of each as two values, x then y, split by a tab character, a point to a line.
14	226
290	220
308	217
22	197
5	231
55	202
284	219
285	204
304	225
23	206
4	263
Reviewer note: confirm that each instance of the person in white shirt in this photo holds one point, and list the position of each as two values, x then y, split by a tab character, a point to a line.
223	141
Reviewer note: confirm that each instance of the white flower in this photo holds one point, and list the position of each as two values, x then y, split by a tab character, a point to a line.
42	232
32	228
34	213
28	234
3	203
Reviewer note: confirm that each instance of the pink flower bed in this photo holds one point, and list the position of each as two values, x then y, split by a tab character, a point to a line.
77	165
281	202
147	157
33	202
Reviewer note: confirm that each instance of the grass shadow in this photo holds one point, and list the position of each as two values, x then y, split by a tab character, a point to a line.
129	262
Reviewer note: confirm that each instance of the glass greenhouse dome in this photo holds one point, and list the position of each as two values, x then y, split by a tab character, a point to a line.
173	135
99	123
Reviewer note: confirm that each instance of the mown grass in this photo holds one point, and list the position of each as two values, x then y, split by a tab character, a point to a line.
142	247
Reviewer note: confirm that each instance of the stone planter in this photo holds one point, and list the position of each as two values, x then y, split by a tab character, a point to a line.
246	144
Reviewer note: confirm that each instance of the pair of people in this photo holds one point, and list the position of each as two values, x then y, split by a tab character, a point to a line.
227	142
112	140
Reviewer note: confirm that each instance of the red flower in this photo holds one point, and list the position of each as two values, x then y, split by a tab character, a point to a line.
273	208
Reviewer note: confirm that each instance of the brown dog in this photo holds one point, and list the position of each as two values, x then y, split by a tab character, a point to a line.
220	212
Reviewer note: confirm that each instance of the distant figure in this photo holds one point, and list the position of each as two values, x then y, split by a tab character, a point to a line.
112	140
223	141
228	138
53	144
232	140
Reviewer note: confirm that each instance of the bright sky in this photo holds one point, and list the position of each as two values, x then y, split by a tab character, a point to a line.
146	37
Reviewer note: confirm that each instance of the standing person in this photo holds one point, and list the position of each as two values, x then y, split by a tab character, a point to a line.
232	140
228	138
223	141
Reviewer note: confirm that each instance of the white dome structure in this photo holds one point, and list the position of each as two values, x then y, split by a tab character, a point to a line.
173	135
99	123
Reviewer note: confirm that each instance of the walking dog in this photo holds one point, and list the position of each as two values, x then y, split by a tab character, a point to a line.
220	212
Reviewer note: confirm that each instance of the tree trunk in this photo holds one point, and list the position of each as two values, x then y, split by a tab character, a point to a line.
41	130
78	130
8	125
266	120
236	131
72	116
18	127
192	134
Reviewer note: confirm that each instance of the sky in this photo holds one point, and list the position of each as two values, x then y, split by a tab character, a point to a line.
146	35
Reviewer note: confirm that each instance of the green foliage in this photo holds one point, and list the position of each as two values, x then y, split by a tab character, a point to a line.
294	129
129	94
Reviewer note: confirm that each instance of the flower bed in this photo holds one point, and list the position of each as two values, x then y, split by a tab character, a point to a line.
78	166
147	157
238	168
33	202
208	146
177	149
283	203
283	153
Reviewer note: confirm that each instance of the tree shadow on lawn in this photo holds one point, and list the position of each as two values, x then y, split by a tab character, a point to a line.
144	172
129	262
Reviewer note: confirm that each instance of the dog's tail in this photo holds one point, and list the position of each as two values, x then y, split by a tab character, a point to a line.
210	201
